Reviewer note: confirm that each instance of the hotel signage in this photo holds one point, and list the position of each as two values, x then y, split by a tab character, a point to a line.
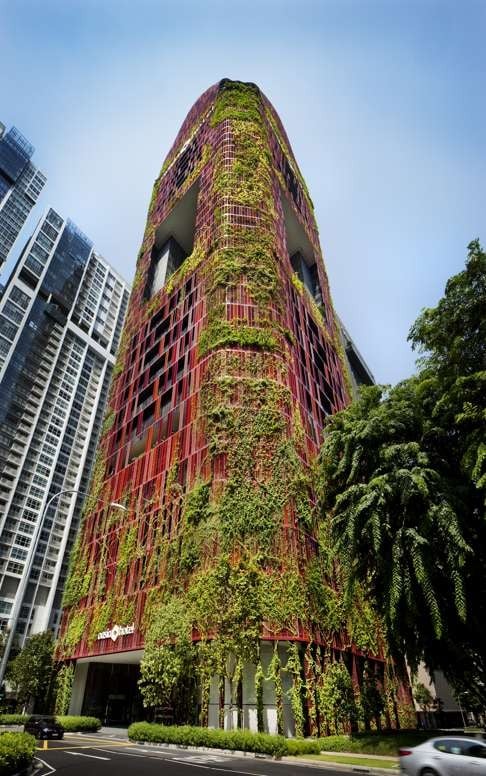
116	631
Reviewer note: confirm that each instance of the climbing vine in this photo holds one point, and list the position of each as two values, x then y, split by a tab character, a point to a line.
259	679
64	685
312	670
275	676
294	667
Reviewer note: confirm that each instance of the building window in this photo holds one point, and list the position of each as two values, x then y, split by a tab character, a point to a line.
307	274
165	262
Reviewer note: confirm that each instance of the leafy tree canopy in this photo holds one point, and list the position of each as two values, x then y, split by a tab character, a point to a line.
30	672
403	480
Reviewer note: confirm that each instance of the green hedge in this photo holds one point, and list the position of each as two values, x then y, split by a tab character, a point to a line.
374	743
13	719
243	740
70	724
79	724
16	752
299	746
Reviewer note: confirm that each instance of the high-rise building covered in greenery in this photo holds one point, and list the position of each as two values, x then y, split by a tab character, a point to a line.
213	569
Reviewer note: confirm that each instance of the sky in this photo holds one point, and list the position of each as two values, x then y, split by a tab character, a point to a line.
383	102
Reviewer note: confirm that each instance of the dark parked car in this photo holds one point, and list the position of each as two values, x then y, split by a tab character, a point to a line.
44	727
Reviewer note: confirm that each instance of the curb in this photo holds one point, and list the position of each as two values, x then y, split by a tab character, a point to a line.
333	766
211	749
336	766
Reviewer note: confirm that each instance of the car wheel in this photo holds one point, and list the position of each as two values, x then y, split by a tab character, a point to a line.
428	772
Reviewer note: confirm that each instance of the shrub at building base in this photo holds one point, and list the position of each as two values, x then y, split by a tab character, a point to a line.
300	746
70	724
80	724
373	743
240	740
16	752
12	719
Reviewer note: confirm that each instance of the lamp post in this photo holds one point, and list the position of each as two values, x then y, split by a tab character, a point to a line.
24	581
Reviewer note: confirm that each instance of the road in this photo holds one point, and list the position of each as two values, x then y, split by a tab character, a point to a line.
82	755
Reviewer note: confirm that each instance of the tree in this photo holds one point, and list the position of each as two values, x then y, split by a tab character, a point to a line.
31	672
423	696
372	701
402	479
167	676
336	700
452	339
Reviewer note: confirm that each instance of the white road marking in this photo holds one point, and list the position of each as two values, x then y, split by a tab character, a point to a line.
93	756
170	758
203	758
126	754
46	765
216	768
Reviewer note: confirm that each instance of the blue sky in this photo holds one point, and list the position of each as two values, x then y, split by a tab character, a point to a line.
383	101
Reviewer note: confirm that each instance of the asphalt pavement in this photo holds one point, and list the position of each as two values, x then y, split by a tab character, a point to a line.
82	755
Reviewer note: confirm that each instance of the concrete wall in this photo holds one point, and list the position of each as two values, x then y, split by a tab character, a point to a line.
249	697
79	686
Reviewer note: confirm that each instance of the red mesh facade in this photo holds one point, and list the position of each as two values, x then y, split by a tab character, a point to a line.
208	336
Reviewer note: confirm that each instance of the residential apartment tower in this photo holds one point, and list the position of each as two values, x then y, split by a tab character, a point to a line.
61	317
20	185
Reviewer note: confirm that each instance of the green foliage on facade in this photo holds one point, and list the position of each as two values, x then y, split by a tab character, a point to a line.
294	667
235	333
237	101
74	632
259	679
79	576
64	686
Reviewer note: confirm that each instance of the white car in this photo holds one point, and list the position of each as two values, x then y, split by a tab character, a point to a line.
445	756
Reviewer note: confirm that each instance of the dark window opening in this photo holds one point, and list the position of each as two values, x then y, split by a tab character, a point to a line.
174	241
165	261
165	403
300	251
137	446
307	275
290	180
187	161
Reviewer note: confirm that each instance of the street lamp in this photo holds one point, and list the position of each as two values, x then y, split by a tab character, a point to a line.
24	581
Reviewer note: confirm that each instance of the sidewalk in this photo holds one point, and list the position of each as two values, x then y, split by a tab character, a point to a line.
113	732
314	762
